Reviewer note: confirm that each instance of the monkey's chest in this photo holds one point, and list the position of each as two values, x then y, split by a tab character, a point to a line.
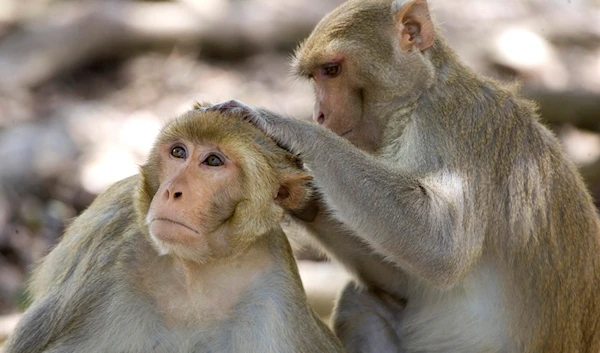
178	313
242	332
468	318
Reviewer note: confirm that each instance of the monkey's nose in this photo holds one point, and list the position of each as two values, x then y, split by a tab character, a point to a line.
321	119
169	194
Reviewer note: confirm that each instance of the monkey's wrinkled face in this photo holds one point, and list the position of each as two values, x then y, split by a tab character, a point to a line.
367	61
198	192
337	103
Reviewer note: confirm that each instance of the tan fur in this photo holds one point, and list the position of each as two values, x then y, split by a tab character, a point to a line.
226	281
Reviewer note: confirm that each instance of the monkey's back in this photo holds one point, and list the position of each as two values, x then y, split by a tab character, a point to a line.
67	285
545	231
543	234
560	250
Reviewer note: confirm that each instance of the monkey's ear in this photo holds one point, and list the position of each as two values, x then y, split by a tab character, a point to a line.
413	24
293	191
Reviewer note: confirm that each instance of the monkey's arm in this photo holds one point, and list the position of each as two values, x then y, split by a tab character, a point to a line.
422	225
39	327
57	317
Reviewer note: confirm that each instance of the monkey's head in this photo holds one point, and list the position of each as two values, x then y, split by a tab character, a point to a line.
366	59
213	184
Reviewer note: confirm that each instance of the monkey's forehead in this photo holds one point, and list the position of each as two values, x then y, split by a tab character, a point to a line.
362	21
201	125
225	130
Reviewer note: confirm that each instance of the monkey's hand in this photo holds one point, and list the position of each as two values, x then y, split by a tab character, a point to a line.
286	131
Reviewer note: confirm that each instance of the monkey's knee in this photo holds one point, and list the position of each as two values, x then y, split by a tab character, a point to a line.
364	322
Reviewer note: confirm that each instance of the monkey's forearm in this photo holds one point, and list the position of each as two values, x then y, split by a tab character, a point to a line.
422	225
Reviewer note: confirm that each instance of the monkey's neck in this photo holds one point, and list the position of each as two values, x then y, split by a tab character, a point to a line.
457	96
228	276
455	87
188	293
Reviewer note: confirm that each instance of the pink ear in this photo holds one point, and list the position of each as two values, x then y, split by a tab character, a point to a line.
293	191
413	24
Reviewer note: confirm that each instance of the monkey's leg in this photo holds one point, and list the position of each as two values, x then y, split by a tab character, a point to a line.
364	321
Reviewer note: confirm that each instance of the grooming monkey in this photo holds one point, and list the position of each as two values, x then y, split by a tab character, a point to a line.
187	257
465	225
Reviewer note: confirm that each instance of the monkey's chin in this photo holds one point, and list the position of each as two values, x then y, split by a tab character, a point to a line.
171	237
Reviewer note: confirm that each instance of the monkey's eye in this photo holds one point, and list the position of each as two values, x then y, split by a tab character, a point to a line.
178	152
332	70
213	160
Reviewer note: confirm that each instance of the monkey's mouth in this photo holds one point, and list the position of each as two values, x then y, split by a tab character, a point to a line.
347	133
175	222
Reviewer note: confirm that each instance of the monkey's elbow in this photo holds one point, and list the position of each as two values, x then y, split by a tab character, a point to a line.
444	272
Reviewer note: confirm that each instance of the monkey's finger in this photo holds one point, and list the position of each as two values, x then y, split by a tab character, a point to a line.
232	106
239	110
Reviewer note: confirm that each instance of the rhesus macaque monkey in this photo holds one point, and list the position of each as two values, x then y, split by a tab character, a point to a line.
465	225
187	257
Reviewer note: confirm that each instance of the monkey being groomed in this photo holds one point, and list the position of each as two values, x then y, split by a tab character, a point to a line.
187	257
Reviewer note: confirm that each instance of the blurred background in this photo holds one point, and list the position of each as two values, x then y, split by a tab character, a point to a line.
85	86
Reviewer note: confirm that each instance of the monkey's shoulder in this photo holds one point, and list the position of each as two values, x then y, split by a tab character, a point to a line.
120	195
95	242
110	213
